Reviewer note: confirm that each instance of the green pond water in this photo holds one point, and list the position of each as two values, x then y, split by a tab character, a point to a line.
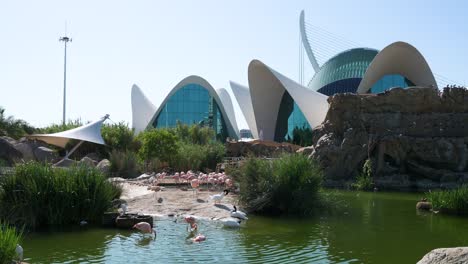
373	228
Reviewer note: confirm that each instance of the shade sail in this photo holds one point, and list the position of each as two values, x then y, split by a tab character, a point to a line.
90	132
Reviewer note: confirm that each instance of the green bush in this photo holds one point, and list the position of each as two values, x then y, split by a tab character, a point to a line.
289	185
118	136
9	238
11	127
124	164
194	134
364	180
157	143
450	201
38	195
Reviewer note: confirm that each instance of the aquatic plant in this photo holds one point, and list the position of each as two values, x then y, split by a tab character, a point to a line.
9	238
38	195
450	201
288	185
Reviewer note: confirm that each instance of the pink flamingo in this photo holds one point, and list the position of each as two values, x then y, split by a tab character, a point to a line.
195	183
199	238
145	228
192	224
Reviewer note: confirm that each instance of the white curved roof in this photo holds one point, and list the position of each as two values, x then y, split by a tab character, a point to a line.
244	100
398	58
267	87
193	79
90	132
142	109
227	103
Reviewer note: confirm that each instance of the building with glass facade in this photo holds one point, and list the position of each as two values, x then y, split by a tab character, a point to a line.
277	105
194	101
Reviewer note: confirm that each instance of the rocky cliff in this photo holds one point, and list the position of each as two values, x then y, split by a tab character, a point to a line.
416	138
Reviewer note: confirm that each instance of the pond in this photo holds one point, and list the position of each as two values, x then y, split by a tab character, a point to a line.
374	228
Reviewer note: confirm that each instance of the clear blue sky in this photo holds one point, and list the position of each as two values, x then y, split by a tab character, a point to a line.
155	44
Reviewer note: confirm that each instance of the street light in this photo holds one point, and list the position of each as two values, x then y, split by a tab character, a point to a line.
65	40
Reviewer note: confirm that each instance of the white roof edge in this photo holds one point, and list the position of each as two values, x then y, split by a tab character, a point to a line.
242	95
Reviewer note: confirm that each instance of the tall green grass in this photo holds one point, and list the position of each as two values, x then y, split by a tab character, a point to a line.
38	195
9	238
289	185
450	201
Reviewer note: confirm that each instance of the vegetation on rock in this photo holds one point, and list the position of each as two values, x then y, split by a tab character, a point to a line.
364	180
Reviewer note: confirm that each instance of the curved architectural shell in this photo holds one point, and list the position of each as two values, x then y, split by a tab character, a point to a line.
398	58
142	109
267	87
242	95
228	107
193	79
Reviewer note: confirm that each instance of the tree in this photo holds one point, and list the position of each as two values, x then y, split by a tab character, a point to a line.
157	143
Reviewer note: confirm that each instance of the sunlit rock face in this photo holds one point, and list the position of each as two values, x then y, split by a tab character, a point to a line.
417	138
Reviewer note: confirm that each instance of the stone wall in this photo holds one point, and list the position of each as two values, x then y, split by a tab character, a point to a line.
417	138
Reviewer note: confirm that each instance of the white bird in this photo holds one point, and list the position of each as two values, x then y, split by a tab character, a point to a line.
218	197
239	214
122	209
231	222
19	252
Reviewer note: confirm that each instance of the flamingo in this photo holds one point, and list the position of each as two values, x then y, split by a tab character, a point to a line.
199	238
145	228
238	214
192	224
195	183
218	197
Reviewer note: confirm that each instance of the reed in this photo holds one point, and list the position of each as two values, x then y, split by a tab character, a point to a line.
38	195
450	201
9	238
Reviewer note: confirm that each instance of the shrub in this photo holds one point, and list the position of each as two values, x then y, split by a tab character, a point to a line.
124	164
450	201
364	180
11	127
157	143
118	136
38	195
194	134
9	238
197	157
289	185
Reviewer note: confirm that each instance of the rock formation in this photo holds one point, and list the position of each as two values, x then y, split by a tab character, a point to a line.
457	255
259	148
416	138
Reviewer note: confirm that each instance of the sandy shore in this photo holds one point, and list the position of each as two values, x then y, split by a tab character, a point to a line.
175	201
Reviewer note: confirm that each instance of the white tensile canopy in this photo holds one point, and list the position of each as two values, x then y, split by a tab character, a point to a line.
90	132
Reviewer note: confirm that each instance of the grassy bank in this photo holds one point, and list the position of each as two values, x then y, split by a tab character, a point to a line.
9	238
450	201
289	185
38	195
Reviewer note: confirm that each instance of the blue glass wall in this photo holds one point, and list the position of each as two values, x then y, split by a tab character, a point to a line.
289	117
192	104
390	81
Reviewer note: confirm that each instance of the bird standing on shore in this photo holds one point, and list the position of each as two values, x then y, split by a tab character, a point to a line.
239	214
218	197
19	252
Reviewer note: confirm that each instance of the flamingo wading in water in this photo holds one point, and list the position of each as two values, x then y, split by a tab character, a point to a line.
145	228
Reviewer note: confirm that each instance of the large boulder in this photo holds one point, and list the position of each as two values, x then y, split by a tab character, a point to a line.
457	255
8	152
88	162
104	166
44	154
25	149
